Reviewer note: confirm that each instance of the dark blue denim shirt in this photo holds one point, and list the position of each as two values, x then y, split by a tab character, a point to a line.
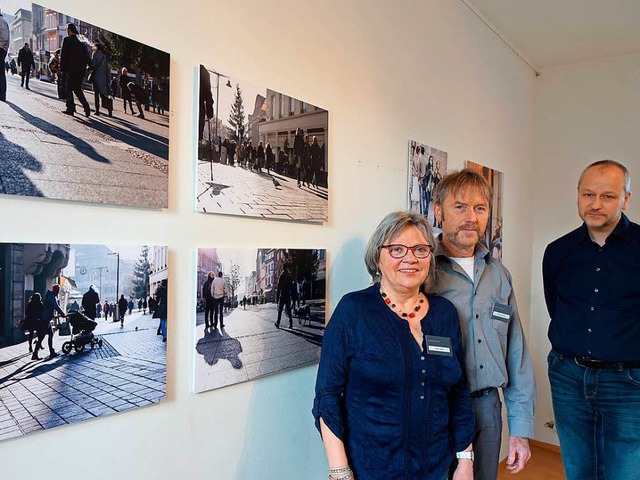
400	412
593	294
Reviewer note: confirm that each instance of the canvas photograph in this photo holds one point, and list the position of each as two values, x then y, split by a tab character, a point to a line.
261	153
83	332
427	166
84	112
259	312
493	234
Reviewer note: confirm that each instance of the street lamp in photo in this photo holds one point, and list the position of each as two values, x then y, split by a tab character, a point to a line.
117	254
100	269
217	103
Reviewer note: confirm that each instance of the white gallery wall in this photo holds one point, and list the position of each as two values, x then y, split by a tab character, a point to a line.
585	112
386	72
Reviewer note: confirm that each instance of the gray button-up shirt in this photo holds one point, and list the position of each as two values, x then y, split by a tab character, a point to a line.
495	348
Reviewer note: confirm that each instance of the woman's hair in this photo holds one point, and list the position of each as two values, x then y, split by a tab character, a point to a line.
389	228
36	297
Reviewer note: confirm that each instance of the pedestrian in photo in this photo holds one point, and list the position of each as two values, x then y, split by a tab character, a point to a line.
161	308
436	177
73	65
283	295
298	151
89	301
130	305
269	157
4	49
122	309
219	290
54	65
392	398
146	304
114	85
32	315
140	97
208	300
316	160
231	152
422	172
49	309
100	78
26	63
427	185
495	348
140	305
260	157
251	155
414	194
205	108
125	92
105	310
592	290
98	310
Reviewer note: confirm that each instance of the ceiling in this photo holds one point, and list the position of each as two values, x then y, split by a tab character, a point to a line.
550	33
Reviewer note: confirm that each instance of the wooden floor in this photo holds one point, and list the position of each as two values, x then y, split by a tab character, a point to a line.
545	464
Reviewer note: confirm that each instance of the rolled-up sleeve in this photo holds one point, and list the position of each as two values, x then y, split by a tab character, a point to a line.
462	420
333	371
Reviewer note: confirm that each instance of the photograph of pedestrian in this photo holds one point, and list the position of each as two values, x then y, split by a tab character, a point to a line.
65	130
69	350
427	166
493	233
258	312
261	153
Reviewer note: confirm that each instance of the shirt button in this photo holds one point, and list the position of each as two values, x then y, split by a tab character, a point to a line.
593	308
424	371
421	358
595	290
481	367
422	383
477	316
421	397
598	269
589	352
479	341
589	330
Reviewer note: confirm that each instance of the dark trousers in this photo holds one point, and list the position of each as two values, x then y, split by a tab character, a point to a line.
74	86
3	76
24	77
218	307
208	312
284	303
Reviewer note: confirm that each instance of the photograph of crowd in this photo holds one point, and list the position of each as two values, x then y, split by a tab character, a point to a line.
83	111
493	234
83	332
261	153
258	312
427	166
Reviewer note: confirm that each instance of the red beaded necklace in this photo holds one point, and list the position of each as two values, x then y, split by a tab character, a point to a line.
411	314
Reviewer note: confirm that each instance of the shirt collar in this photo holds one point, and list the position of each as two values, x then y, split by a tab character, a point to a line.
480	252
622	230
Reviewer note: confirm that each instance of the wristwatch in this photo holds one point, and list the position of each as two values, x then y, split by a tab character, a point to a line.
467	455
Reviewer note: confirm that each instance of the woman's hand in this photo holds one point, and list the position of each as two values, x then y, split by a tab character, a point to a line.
464	470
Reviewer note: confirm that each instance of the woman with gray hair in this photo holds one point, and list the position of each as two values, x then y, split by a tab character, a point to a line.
392	399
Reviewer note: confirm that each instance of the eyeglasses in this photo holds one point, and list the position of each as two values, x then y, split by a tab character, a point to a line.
397	250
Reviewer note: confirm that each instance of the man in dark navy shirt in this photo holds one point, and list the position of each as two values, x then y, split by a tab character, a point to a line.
592	289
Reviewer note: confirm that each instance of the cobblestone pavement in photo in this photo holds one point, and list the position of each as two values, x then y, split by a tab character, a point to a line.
129	371
237	190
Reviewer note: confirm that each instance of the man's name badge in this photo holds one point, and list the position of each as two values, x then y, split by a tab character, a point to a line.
438	346
501	312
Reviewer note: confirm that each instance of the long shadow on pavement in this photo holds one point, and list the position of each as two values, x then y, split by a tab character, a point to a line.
128	132
83	147
14	159
216	346
309	337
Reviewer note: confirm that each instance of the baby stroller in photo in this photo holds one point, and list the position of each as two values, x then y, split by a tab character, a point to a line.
82	329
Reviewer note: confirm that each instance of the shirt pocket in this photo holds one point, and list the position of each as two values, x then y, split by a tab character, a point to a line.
500	325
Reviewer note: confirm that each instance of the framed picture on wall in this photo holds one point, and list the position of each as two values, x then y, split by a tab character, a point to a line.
82	334
261	153
259	312
493	234
87	113
427	165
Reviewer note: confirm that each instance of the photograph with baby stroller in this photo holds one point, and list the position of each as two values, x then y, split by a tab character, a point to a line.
100	311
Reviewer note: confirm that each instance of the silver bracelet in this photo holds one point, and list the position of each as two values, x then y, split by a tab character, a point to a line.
340	473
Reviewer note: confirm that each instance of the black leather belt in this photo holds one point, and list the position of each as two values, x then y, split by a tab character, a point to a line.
483	392
591	363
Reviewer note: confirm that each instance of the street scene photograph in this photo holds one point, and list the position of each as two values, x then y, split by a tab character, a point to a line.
84	112
261	153
493	234
427	166
258	312
83	332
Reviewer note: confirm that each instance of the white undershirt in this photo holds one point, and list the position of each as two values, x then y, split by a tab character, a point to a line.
466	263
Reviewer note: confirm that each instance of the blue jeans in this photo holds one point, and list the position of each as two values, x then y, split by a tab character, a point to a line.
3	77
597	414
